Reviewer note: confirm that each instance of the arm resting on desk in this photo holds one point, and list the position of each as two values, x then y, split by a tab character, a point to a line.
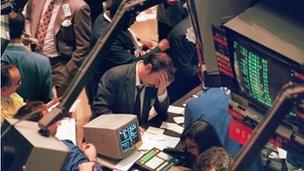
75	158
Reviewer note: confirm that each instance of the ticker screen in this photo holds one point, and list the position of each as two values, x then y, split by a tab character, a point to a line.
259	73
129	136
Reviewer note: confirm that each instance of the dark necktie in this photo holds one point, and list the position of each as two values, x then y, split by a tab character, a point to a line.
42	31
137	103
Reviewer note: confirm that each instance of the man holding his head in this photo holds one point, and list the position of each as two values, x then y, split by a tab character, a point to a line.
136	88
125	48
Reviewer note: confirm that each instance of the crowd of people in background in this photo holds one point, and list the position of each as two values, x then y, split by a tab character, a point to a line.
50	42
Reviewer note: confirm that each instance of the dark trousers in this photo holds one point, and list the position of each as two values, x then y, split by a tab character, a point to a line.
60	76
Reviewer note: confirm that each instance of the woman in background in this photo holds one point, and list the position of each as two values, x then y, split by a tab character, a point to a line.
198	137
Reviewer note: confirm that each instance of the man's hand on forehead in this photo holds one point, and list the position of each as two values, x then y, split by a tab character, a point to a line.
163	83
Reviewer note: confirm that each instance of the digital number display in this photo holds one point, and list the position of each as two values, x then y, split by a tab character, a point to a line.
129	136
259	74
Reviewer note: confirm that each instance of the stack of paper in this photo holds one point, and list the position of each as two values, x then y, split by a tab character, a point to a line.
67	130
176	110
179	119
172	126
155	130
159	141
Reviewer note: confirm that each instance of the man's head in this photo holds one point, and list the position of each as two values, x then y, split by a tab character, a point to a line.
200	136
213	159
10	79
155	67
16	25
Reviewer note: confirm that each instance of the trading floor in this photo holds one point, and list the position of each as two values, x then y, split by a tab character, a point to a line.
152	85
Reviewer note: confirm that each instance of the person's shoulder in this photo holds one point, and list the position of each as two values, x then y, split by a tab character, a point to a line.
118	70
121	71
101	20
38	58
124	67
100	24
16	95
11	49
5	56
78	4
18	99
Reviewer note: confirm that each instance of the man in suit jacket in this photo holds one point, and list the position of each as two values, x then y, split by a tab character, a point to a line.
118	88
68	35
122	50
35	69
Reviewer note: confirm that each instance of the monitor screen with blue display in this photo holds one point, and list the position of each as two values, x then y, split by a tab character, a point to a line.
114	135
129	136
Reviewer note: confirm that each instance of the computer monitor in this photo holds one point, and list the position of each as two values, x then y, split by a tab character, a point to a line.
23	148
258	73
257	56
114	135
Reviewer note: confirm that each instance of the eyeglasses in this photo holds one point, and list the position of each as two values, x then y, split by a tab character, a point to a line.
17	84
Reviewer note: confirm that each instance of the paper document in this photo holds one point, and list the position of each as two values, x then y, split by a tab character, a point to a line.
158	141
126	163
144	16
282	153
273	155
179	119
176	110
190	36
67	130
172	126
154	130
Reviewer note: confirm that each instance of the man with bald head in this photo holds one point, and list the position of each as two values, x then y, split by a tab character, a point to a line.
10	100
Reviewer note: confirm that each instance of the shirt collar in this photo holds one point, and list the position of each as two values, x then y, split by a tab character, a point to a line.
137	81
105	15
16	44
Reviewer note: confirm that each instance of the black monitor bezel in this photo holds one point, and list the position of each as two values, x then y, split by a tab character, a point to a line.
233	84
122	152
